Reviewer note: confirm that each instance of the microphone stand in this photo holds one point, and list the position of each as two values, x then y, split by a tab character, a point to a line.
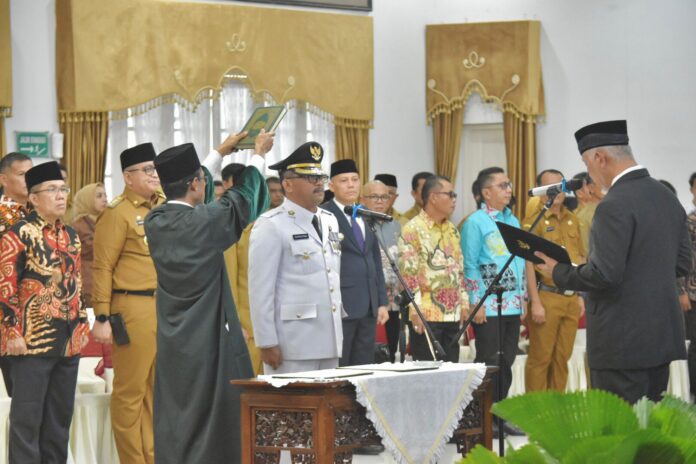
436	349
498	289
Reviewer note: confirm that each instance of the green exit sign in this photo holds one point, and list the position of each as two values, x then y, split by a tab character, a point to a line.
36	144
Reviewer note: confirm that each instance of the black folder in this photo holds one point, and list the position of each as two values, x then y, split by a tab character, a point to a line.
523	244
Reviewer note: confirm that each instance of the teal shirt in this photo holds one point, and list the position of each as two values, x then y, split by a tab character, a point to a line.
485	254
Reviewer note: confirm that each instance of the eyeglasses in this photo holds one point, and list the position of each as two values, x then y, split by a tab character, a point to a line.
378	197
450	194
54	190
148	170
311	178
502	185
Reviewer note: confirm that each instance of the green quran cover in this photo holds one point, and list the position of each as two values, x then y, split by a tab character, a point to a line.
264	117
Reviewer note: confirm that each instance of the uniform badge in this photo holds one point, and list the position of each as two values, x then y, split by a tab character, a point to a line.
550	229
570	223
300	236
139	220
291	213
316	152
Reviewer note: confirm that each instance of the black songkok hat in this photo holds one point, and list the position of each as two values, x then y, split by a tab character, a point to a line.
343	166
602	134
42	173
177	163
305	160
387	179
137	154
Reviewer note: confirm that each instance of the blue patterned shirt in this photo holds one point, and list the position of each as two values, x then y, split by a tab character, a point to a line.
484	254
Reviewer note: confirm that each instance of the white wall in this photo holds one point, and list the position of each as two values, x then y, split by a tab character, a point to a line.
601	59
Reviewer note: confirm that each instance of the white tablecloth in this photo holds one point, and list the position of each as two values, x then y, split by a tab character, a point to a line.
91	438
415	413
577	373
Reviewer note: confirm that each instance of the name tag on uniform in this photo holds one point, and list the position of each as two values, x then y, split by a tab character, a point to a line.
300	236
550	229
140	222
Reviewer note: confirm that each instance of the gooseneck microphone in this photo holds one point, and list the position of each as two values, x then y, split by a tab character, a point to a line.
360	210
566	186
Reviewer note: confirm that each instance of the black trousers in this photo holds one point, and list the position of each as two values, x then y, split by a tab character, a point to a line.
392	328
632	384
359	337
487	348
444	332
690	323
6	376
42	408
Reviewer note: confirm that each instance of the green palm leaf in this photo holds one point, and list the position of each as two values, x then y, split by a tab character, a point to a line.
556	421
674	418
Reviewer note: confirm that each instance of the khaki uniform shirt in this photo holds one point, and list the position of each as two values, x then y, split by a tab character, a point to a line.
121	254
585	215
563	230
412	212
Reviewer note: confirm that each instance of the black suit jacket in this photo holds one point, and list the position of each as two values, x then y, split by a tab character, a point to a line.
639	245
362	278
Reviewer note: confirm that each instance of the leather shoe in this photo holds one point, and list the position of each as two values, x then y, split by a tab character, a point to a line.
372	450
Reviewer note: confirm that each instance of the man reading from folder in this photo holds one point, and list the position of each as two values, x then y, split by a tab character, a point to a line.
200	346
639	245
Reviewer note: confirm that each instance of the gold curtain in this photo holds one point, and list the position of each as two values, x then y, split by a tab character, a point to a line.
5	72
3	142
447	136
114	55
353	142
500	61
520	150
84	147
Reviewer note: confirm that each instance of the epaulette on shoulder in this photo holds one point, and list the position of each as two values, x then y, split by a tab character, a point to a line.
272	213
115	202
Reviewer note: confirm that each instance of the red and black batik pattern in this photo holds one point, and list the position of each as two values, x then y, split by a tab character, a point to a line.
40	288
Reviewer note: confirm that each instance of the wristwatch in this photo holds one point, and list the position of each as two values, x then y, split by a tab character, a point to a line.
102	318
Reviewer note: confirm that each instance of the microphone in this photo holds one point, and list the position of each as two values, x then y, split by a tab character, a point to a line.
360	210
566	186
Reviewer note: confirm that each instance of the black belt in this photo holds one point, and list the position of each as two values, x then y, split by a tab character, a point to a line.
548	288
135	292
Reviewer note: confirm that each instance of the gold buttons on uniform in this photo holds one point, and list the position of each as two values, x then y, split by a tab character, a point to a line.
331	289
333	308
328	270
305	255
299	316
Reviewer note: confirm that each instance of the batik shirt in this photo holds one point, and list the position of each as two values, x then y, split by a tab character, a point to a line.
10	213
432	265
485	254
40	288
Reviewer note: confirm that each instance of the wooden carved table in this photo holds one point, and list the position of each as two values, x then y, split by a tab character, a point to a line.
321	423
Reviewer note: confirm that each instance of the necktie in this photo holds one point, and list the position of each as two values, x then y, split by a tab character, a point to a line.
315	223
357	233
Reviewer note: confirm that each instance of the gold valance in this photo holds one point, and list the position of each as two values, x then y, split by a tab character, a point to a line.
501	61
113	55
5	60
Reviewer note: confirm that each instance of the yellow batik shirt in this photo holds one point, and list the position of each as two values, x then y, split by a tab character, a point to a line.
432	264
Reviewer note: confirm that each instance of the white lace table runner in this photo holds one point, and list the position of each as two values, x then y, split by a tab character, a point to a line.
414	412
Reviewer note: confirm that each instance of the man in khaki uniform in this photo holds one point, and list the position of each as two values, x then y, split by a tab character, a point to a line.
237	263
554	311
416	188
124	283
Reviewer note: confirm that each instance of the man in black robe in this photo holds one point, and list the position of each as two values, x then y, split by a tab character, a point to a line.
639	245
200	346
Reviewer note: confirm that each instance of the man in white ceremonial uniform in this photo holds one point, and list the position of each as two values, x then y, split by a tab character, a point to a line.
294	269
